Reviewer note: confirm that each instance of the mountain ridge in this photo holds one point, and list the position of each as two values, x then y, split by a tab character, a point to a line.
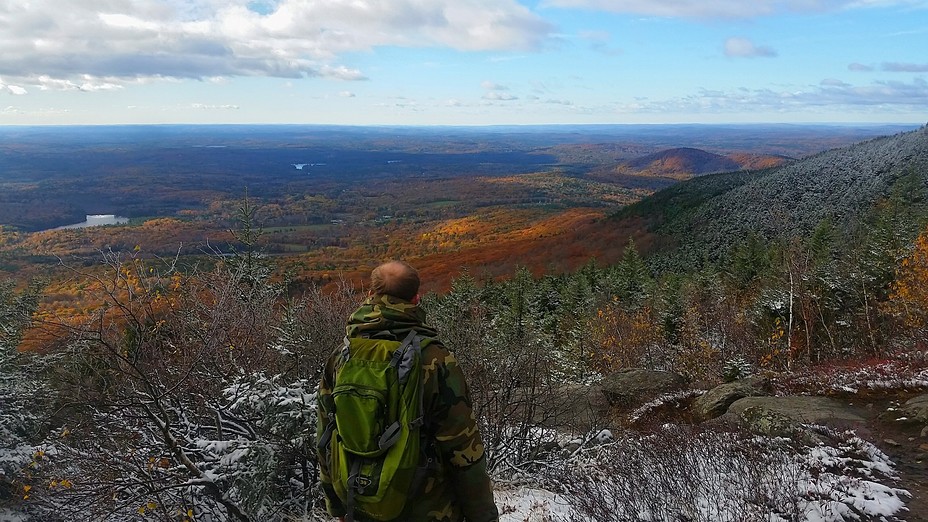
705	216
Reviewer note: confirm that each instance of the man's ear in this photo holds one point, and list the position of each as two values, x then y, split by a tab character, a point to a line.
415	300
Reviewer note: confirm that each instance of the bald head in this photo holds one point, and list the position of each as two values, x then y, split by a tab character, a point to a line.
395	278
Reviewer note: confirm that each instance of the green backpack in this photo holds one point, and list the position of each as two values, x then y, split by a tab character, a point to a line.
373	440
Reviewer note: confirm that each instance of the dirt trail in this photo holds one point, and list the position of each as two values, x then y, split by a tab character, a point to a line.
911	458
907	448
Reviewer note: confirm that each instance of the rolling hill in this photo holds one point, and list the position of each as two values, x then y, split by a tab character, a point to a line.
704	217
682	162
686	162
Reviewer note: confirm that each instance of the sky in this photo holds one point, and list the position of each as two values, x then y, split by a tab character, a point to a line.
463	62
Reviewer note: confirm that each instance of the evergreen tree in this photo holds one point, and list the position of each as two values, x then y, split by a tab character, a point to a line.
21	390
631	279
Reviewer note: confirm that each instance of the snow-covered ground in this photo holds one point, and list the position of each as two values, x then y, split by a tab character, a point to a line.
844	479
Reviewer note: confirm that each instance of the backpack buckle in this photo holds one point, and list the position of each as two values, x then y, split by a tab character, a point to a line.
346	350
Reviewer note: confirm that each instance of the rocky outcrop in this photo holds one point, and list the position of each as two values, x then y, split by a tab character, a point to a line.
916	409
716	401
580	407
629	389
780	416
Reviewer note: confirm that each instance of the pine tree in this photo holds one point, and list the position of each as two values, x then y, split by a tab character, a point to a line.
21	390
631	278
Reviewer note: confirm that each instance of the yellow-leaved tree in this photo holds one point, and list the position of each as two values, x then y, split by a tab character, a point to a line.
908	300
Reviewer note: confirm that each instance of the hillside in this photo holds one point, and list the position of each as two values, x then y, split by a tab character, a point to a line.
706	216
681	162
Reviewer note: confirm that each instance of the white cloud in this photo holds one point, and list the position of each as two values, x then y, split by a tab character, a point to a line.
12	89
491	86
499	96
859	67
209	107
346	94
725	8
56	44
342	73
737	47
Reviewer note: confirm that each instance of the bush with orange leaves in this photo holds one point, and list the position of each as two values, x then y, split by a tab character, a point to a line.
908	298
625	338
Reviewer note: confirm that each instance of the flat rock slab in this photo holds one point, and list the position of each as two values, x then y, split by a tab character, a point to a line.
801	410
631	388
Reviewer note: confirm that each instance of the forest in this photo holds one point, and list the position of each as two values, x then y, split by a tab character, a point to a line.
141	382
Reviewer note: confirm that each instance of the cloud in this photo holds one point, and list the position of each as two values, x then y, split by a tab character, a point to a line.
497	92
859	67
737	47
12	89
346	94
209	107
905	67
724	8
499	96
599	42
71	43
342	73
490	86
833	82
886	96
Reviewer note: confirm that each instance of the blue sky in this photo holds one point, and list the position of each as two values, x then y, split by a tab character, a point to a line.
463	62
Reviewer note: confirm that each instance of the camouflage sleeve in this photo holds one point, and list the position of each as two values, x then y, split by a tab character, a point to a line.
333	504
458	438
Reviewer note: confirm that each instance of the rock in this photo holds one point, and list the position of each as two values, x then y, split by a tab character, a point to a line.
779	416
760	420
716	401
891	442
924	431
576	406
604	437
916	408
629	389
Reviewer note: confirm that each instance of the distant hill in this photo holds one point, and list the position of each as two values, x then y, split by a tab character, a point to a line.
749	161
704	217
687	162
682	162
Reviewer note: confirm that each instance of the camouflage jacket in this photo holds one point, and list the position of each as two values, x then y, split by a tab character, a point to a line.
458	488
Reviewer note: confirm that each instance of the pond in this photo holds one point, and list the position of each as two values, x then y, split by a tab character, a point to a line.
96	220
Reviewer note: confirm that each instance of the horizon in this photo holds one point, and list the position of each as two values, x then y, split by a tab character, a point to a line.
464	63
852	124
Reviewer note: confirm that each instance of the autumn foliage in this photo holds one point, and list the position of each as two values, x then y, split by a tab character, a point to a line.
909	297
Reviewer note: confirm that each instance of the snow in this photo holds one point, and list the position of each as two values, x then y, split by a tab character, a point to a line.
837	482
526	504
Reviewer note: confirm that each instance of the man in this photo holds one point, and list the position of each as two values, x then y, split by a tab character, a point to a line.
457	488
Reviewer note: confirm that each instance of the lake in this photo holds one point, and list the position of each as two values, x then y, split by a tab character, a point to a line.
96	220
